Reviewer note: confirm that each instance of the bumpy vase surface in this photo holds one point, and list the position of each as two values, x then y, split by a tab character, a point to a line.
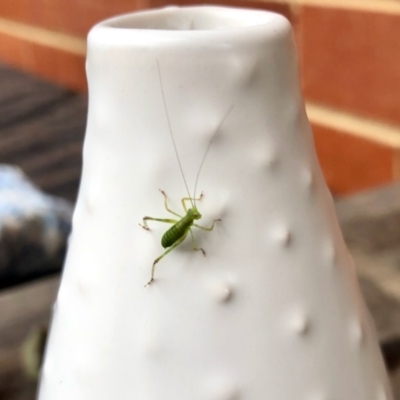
273	311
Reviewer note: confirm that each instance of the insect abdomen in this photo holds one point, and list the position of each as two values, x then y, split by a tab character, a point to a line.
176	231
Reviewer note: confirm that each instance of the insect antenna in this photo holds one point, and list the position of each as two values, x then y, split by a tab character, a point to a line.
172	135
207	149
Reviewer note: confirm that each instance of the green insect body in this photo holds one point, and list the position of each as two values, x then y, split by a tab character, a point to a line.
179	230
175	235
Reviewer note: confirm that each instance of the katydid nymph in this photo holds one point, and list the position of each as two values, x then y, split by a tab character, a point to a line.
181	227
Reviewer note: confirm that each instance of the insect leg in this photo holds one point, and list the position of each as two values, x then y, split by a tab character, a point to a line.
210	228
177	243
195	248
190	199
166	204
145	219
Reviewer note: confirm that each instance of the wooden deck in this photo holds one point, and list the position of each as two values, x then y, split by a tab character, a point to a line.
41	130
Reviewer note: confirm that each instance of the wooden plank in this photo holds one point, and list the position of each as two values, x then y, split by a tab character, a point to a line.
23	97
370	223
21	309
371	227
368	204
48	147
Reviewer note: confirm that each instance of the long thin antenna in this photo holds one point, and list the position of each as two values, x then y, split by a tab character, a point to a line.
172	135
207	149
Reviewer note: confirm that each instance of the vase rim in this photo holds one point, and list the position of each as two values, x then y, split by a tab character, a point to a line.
196	20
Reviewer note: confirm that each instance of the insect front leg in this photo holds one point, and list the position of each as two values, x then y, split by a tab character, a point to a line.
166	204
166	220
195	248
190	199
153	269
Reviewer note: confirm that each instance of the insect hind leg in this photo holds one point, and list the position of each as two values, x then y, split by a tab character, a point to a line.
195	248
153	268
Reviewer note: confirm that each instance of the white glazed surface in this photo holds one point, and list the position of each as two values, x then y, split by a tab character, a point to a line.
274	310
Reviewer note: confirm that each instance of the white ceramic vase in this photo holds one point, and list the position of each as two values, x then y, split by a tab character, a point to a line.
273	311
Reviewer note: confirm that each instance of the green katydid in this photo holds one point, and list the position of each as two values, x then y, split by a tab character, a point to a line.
181	227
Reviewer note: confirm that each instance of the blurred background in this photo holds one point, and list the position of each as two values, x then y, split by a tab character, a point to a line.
350	69
349	56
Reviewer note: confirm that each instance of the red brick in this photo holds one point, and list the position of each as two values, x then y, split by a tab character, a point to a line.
351	163
18	10
350	60
55	65
396	165
283	9
15	52
59	66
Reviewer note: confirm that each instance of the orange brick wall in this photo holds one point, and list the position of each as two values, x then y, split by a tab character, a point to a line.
351	60
350	67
